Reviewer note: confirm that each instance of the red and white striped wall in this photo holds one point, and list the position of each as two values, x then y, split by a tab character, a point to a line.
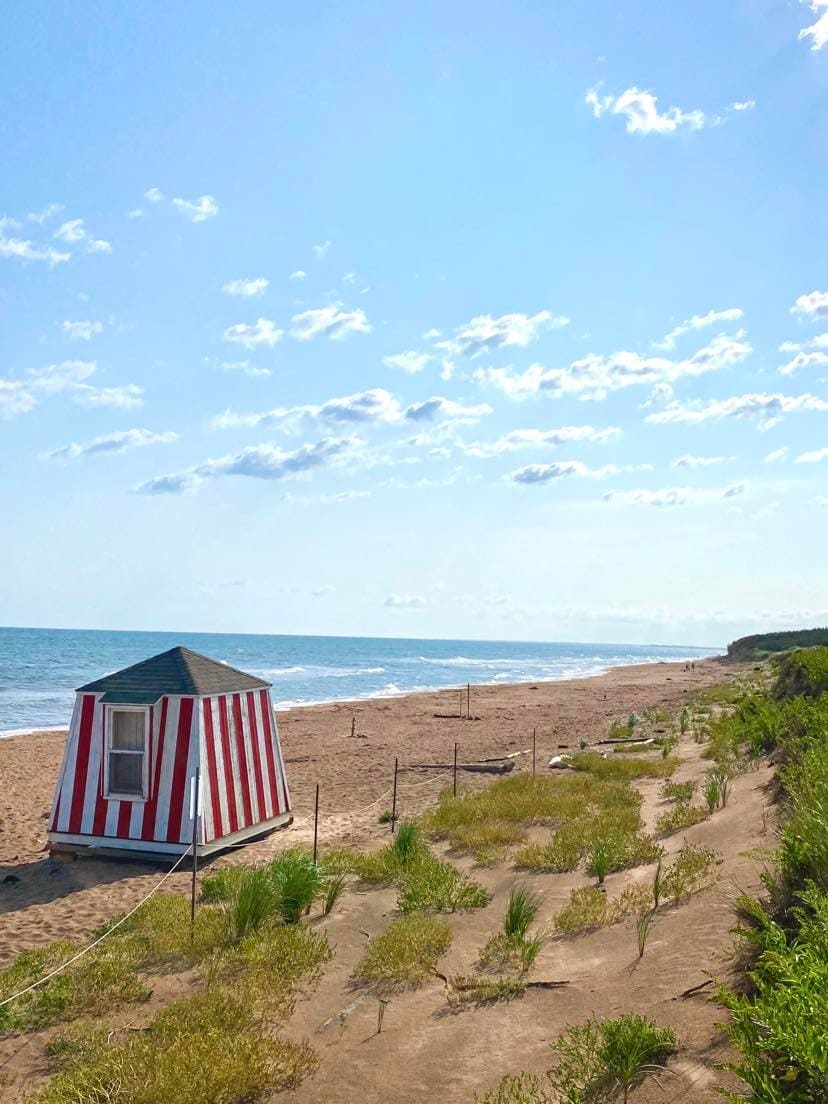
231	739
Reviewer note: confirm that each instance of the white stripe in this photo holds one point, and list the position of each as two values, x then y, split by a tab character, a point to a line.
284	793
208	828
136	819
113	810
269	809
162	814
67	777
221	773
94	768
235	772
251	766
193	762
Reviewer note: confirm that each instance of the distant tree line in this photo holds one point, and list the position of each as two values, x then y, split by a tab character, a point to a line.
764	644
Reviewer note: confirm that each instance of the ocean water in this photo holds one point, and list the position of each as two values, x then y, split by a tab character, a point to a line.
40	668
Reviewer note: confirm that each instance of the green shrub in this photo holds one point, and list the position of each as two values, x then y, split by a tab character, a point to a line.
208	1049
437	885
270	964
297	881
693	870
589	908
678	791
408	951
486	841
102	979
803	673
161	926
623	770
682	815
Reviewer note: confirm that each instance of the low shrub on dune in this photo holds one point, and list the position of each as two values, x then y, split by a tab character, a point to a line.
407	951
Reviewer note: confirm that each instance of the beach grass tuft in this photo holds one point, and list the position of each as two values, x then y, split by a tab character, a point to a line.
406	952
682	815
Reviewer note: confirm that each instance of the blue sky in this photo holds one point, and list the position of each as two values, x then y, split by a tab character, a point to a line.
493	320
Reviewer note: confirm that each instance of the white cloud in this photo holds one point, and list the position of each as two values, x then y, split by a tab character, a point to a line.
321	250
247	288
98	245
594	376
261	332
519	439
71	231
376	405
815	457
332	322
483	334
24	250
135	213
817	31
812	305
113	442
742	105
64	376
243	366
49	211
154	195
698	322
768	408
438	407
405	601
299	274
410	361
689	461
197	210
640	110
81	331
546	473
127	397
818	341
676	496
268	462
803	360
776	455
15	398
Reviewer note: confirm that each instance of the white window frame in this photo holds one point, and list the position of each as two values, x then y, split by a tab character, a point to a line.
113	795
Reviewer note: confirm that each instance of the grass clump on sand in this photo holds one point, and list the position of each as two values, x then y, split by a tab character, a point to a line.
513	946
599	1061
286	887
269	965
208	1049
682	815
589	908
423	880
635	748
694	869
623	770
678	791
483	990
102	979
408	951
614	834
486	842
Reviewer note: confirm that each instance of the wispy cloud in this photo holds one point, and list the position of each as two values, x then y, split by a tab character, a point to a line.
196	210
776	455
484	334
767	408
243	366
817	31
129	396
815	457
299	274
405	601
640	111
409	361
438	407
122	441
98	245
47	212
72	231
267	462
22	249
676	496
546	473
690	461
698	322
249	289
321	250
81	331
520	439
803	360
812	305
596	375
332	322
251	335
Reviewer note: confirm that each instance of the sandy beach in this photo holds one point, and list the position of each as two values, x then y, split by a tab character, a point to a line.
42	899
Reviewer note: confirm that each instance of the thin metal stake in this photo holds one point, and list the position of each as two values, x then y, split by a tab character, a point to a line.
316	824
195	810
468	701
454	786
394	800
534	743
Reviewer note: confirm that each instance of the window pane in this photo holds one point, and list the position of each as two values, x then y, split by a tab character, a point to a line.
126	773
127	730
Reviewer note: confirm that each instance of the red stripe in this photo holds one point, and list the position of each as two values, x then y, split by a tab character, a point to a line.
244	777
257	758
101	804
182	751
57	813
212	769
267	722
227	780
124	816
81	763
151	807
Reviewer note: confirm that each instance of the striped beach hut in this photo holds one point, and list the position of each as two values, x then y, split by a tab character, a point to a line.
175	739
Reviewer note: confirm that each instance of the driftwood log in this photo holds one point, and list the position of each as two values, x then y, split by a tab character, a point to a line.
473	768
626	740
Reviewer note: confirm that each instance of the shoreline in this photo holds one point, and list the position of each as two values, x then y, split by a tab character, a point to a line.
292	706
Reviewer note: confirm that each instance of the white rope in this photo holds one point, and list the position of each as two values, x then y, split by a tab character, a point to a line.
100	939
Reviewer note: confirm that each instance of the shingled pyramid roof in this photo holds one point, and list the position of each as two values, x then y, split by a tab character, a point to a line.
178	671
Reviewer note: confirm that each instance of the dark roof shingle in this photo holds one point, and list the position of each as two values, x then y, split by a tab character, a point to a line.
178	671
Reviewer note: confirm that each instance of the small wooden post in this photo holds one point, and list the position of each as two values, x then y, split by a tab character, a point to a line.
534	744
468	701
195	810
394	800
316	824
461	702
353	726
454	785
